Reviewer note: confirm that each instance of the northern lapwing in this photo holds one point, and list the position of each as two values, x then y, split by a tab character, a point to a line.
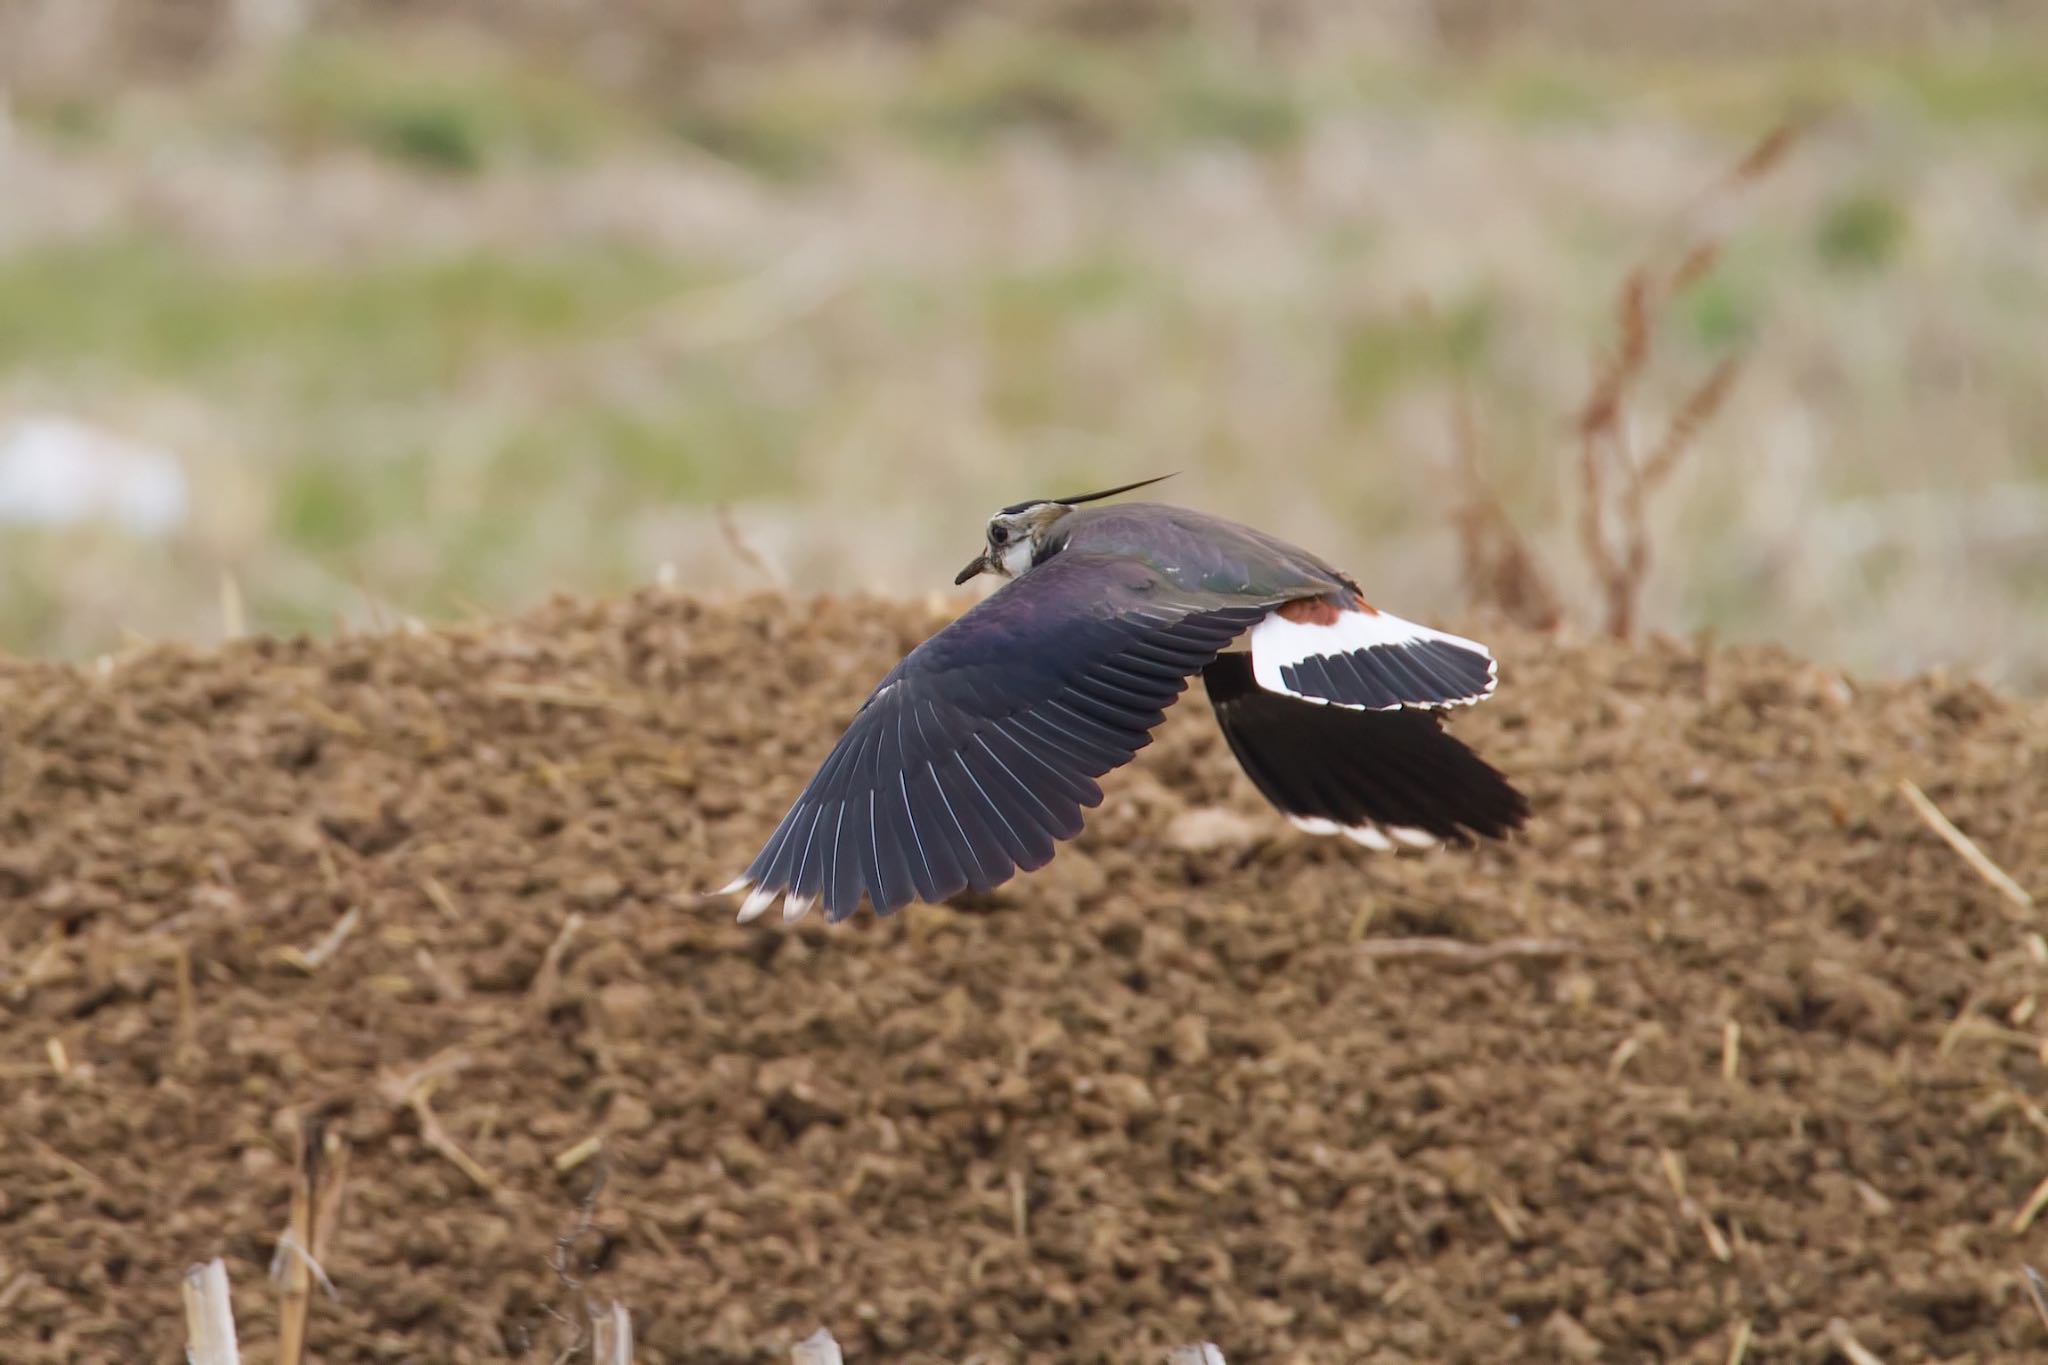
977	753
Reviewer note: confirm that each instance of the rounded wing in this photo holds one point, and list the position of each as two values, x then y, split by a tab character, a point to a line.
1381	776
978	752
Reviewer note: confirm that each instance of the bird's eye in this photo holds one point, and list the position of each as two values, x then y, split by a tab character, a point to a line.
998	535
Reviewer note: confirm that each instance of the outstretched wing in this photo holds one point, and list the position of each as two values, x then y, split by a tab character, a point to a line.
977	753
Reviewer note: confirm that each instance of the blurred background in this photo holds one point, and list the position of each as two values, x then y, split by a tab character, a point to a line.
319	314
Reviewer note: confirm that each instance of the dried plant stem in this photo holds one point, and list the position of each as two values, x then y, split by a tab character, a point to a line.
816	1349
209	1316
2036	1291
1738	1349
436	1137
611	1335
1457	954
411	1089
744	551
1844	1340
570	1158
542	992
310	960
1615	483
1964	846
1498	567
2031	1210
317	1181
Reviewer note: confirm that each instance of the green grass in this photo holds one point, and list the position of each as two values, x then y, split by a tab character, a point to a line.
349	378
2007	85
1861	231
439	109
447	430
1381	355
385	328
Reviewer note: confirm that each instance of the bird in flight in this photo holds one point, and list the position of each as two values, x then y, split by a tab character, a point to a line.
977	753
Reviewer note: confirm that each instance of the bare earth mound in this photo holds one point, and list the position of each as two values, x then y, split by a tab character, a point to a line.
1166	1089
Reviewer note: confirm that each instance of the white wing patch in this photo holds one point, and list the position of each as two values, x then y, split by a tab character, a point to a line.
1370	637
1369	834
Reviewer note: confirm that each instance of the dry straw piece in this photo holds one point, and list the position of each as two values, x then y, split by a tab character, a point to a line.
816	1349
1965	847
1456	954
611	1335
1844	1340
209	1316
319	1169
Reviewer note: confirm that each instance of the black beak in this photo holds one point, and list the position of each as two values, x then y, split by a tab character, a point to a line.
978	565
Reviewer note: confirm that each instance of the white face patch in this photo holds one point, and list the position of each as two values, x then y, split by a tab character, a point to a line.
1015	557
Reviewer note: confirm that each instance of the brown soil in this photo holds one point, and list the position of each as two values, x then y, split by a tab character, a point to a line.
1162	1090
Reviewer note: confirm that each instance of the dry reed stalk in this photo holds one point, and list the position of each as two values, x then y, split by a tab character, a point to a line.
2031	1210
411	1089
744	551
1674	1175
209	1316
436	1137
1498	568
570	1158
2037	1291
72	1167
1738	1348
310	960
541	993
1693	414
1624	1052
439	897
1965	847
816	1349
611	1335
325	716
1020	1219
319	1163
446	983
15	1288
293	1252
1510	1222
1616	484
1459	955
1844	1340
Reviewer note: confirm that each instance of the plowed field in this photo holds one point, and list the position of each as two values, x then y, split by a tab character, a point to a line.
1738	1040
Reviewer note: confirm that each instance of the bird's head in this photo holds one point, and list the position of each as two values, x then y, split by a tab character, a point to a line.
1017	535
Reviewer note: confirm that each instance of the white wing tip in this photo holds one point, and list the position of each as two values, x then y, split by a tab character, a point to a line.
735	886
796	907
757	902
1380	838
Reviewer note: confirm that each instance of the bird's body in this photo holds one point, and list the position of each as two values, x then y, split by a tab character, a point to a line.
977	753
1196	552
